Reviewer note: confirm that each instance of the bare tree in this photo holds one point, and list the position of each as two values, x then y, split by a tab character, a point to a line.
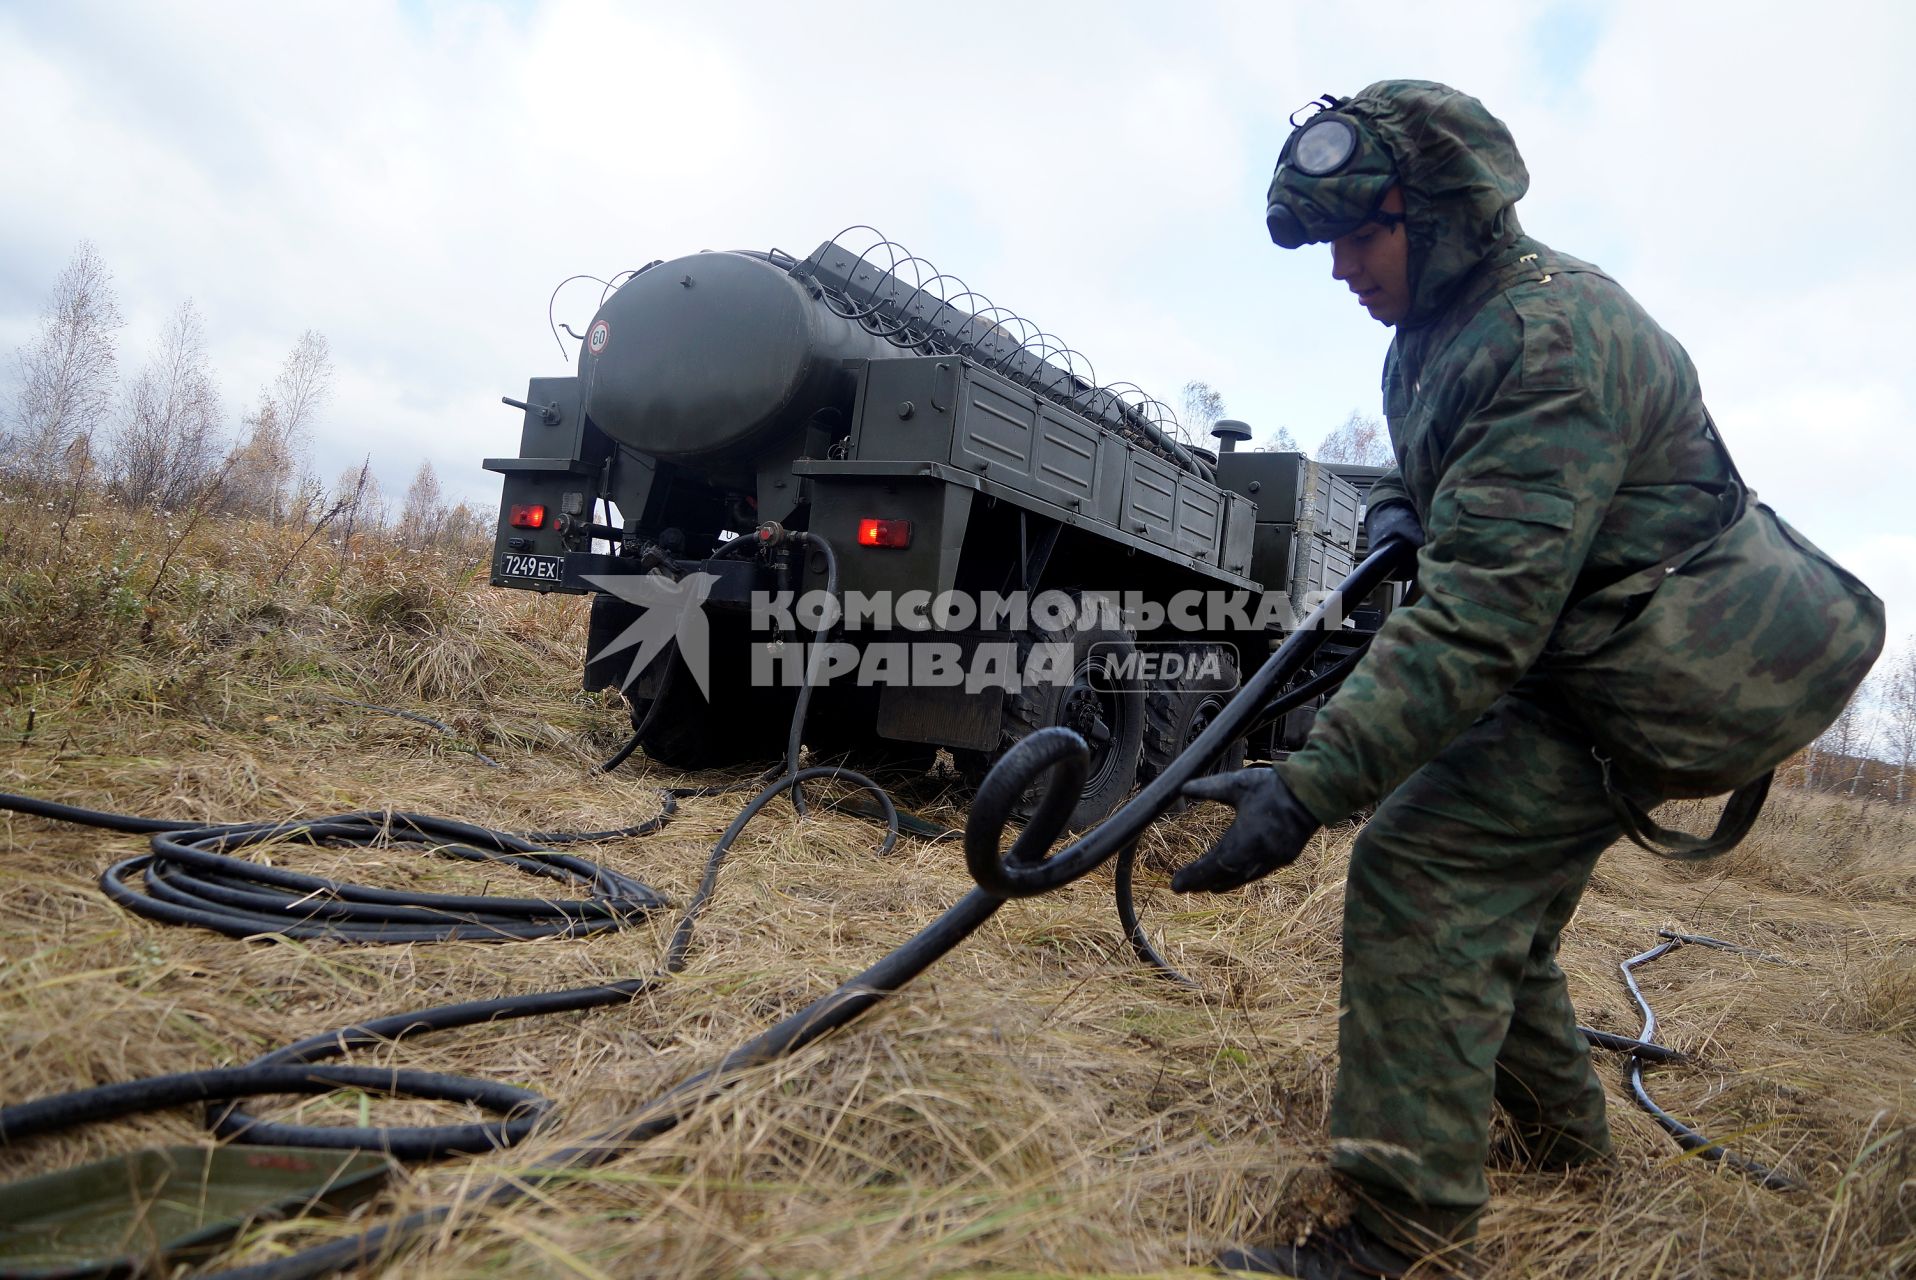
1898	700
67	372
361	504
168	443
279	432
422	515
1203	406
262	464
1362	439
1845	745
465	529
304	384
1282	442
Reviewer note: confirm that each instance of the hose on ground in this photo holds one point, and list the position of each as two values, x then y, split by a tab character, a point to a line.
190	879
1686	1137
190	876
843	1005
288	1070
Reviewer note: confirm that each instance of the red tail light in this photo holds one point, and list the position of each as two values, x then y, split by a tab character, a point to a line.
884	533
527	517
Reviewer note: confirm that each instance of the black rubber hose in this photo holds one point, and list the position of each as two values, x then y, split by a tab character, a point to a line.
1686	1137
271	1072
92	817
523	1108
223	893
231	1122
644	726
1049	750
1642	1048
1013	878
191	878
1134	932
624	753
812	655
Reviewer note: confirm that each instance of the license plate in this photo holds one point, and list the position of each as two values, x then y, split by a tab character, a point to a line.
542	568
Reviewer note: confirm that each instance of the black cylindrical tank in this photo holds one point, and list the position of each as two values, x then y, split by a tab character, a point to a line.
710	359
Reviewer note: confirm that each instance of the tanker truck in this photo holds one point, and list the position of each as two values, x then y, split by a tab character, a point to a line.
871	476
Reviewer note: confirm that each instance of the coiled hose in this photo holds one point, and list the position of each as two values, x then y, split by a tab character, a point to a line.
189	877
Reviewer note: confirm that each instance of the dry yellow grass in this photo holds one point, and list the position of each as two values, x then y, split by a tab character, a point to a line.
1035	1105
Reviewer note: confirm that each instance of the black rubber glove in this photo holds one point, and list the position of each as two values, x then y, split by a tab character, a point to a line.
1271	828
1396	519
1393	520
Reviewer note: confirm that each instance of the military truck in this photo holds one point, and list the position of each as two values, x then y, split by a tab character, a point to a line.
856	427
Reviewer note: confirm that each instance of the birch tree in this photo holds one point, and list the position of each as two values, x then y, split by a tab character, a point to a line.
362	504
168	444
1898	703
422	514
67	373
278	432
1203	406
1844	746
1362	439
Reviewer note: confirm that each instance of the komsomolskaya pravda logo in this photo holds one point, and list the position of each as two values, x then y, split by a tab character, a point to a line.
673	612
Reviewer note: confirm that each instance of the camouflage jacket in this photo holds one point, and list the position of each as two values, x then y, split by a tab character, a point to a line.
1549	434
1552	440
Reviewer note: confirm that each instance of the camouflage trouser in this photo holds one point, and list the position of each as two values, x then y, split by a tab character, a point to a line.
1459	887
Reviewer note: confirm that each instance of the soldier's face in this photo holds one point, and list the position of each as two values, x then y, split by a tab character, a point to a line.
1374	261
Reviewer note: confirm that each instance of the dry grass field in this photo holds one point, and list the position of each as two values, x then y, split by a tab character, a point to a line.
1034	1105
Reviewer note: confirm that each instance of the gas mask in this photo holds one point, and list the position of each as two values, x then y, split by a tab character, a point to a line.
1331	178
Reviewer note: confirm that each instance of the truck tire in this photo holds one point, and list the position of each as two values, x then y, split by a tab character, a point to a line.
839	730
1109	716
740	723
1176	712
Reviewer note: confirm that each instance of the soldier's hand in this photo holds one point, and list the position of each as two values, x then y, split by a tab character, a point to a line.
1271	828
1393	520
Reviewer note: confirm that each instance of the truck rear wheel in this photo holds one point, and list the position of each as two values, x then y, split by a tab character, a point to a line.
1107	713
839	730
740	723
1177	711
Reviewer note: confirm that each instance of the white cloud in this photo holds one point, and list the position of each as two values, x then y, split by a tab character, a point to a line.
412	181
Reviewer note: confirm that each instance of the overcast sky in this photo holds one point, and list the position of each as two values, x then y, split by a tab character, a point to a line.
412	180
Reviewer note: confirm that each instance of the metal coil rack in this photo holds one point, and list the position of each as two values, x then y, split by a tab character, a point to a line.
907	301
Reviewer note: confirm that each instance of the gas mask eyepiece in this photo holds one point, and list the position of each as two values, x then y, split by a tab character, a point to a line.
1323	146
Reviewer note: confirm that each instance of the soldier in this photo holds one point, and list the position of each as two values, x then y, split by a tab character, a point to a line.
1605	619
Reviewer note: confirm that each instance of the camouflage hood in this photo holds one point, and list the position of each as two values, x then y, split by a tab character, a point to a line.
1457	166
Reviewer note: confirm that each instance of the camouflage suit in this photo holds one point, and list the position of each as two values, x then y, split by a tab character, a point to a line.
1553	441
